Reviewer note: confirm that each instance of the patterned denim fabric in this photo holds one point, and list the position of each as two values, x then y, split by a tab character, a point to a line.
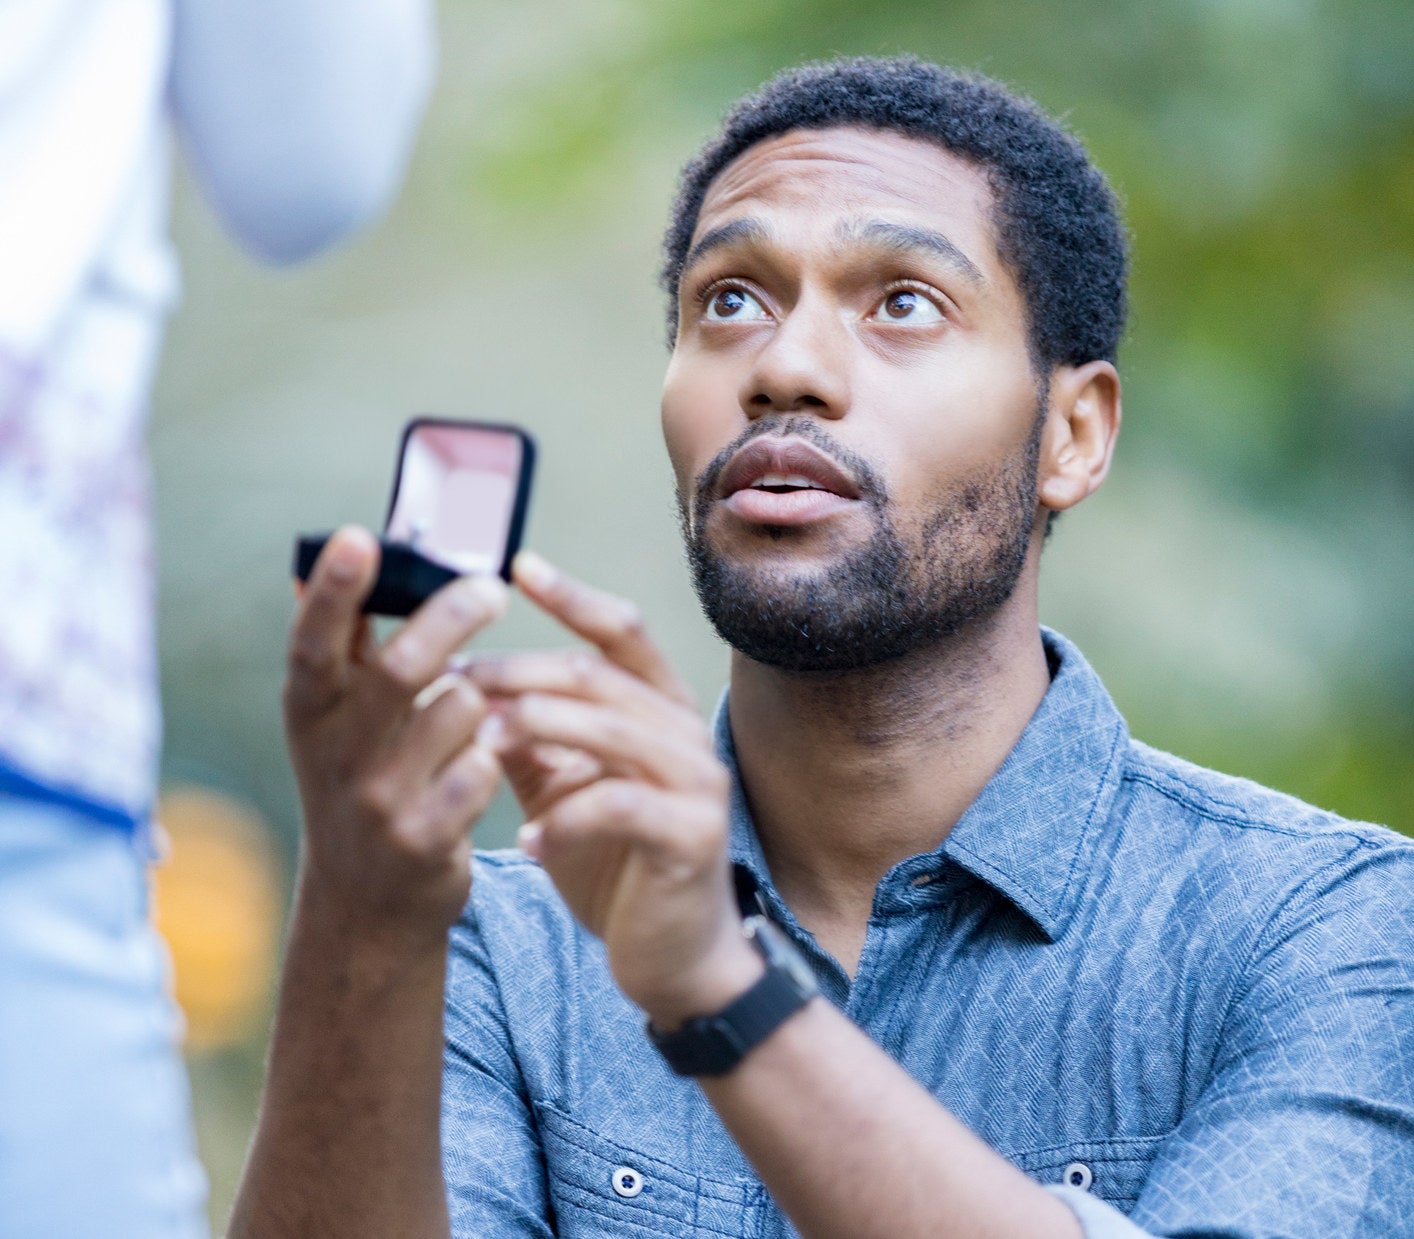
1189	996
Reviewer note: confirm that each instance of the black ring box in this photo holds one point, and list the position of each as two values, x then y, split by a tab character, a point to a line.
407	576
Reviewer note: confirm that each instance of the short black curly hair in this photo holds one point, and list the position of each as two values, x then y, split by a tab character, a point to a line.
1057	219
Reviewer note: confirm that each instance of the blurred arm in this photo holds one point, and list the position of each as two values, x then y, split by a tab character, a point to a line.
298	117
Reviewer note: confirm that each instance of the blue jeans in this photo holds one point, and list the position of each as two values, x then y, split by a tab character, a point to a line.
95	1122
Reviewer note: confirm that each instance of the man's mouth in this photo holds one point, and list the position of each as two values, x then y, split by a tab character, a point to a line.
784	481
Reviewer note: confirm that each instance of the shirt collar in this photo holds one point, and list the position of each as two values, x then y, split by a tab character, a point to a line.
1030	832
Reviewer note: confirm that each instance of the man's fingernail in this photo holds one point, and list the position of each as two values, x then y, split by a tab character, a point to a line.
485	592
442	684
534	570
342	567
528	840
490	733
345	556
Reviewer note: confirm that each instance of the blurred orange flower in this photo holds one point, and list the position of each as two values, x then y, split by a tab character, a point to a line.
217	900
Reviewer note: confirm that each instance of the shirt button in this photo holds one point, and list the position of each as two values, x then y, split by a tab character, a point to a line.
627	1182
1077	1174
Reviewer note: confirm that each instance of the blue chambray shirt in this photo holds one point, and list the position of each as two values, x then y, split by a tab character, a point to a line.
1186	996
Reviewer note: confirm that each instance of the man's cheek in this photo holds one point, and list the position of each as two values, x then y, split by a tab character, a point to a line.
677	452
691	448
684	478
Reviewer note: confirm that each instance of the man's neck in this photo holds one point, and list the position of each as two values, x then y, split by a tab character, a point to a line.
849	773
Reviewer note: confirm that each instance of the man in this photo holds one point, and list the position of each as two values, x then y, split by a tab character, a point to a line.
298	118
1063	978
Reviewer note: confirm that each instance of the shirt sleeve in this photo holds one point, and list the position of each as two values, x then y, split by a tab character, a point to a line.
1306	1128
298	116
491	1154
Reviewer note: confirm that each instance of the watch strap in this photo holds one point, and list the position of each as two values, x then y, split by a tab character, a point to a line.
711	1045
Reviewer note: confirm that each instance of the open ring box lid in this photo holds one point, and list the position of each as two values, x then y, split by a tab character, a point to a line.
459	502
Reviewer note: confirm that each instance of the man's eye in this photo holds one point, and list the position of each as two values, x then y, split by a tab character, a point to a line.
905	305
734	304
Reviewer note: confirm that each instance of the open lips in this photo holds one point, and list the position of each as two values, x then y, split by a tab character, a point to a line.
784	481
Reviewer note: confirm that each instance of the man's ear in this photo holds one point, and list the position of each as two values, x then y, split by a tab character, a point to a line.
1082	424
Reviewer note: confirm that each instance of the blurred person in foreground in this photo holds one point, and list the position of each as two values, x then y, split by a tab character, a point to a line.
297	119
914	940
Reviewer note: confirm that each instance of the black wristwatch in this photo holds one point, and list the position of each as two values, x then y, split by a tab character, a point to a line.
711	1045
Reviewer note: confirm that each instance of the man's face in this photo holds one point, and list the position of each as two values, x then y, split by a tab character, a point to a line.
850	408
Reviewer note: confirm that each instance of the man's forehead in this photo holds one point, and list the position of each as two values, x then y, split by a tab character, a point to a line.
865	171
853	173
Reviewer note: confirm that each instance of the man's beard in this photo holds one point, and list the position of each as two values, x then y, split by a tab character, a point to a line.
881	601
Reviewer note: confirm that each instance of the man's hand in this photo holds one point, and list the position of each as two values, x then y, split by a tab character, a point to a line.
391	776
383	749
626	800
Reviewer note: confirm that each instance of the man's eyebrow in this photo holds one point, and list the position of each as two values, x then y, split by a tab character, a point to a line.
905	237
736	230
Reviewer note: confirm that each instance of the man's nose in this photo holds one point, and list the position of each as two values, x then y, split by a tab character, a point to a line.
801	367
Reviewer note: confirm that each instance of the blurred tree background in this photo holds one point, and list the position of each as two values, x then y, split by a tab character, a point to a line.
1243	582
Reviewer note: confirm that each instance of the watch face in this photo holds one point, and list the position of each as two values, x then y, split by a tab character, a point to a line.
780	952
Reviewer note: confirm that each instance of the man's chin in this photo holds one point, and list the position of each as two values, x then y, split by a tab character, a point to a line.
853	610
802	614
776	555
796	644
767	576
